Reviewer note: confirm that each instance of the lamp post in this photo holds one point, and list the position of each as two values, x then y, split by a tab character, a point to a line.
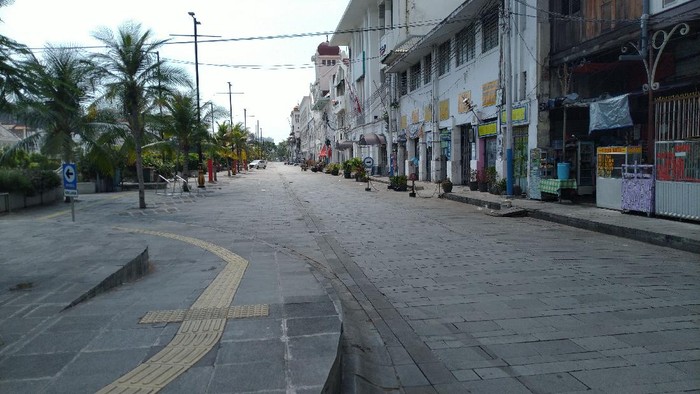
245	125
230	104
200	169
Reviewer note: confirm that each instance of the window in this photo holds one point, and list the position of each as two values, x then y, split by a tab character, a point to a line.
464	45
414	81
444	58
489	30
403	83
428	69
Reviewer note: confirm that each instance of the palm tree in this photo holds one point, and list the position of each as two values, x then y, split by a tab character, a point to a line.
132	78
12	74
179	125
59	102
239	141
223	139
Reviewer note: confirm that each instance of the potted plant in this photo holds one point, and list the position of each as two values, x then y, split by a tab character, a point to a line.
473	183
481	180
401	183
335	168
392	182
447	185
491	176
347	169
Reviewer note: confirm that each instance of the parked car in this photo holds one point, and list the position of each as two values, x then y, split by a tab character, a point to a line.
257	164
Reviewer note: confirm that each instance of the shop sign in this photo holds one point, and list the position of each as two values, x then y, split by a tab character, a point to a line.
487	129
464	100
518	117
428	113
489	93
444	109
619	149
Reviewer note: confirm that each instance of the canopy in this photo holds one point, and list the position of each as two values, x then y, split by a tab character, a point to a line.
343	145
324	152
372	139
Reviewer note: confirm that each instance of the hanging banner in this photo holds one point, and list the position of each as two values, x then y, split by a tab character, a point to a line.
611	113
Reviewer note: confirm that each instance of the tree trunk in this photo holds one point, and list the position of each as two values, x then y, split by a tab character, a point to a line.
186	163
139	170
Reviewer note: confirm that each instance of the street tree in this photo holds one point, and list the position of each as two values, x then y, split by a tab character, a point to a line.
59	102
132	79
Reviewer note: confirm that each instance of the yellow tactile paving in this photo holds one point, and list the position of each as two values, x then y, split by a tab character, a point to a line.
201	329
178	315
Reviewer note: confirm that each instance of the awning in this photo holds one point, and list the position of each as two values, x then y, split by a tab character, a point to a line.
401	49
324	152
341	145
372	139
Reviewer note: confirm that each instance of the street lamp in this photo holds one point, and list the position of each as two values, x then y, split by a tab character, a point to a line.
245	122
200	170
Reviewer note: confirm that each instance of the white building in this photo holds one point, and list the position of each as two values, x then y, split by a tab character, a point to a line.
375	33
451	91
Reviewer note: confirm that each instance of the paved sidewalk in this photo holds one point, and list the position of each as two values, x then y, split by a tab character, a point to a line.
210	314
682	235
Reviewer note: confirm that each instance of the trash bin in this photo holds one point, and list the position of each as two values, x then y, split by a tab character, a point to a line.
563	170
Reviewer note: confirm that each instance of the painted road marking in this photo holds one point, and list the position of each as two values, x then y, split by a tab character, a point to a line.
196	337
66	211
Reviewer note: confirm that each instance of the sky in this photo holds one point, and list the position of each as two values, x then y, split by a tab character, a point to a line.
268	95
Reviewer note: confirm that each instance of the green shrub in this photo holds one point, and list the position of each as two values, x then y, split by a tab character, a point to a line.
29	182
14	181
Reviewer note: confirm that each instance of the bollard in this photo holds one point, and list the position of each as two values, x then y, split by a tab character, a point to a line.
413	188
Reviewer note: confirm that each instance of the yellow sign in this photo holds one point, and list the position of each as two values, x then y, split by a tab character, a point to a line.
619	150
444	109
487	129
489	93
462	100
428	113
519	115
404	121
414	116
606	164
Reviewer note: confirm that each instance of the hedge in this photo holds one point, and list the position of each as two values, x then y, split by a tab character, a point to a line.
29	182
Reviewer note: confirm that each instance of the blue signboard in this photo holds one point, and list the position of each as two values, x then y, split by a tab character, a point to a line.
70	180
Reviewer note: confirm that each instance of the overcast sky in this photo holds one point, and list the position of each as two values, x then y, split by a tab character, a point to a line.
268	95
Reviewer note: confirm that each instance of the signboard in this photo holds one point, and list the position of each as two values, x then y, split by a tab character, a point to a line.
444	107
70	180
519	115
368	161
488	95
487	129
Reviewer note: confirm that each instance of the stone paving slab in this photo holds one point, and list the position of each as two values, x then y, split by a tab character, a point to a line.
44	348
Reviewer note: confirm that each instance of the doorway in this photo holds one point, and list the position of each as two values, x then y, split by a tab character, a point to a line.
466	152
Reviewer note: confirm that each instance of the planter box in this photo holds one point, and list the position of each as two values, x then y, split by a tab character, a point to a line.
87	188
20	201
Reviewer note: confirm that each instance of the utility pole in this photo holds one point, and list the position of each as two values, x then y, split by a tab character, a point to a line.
230	105
509	98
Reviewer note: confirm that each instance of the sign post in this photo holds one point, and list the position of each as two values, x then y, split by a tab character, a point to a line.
70	185
368	162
